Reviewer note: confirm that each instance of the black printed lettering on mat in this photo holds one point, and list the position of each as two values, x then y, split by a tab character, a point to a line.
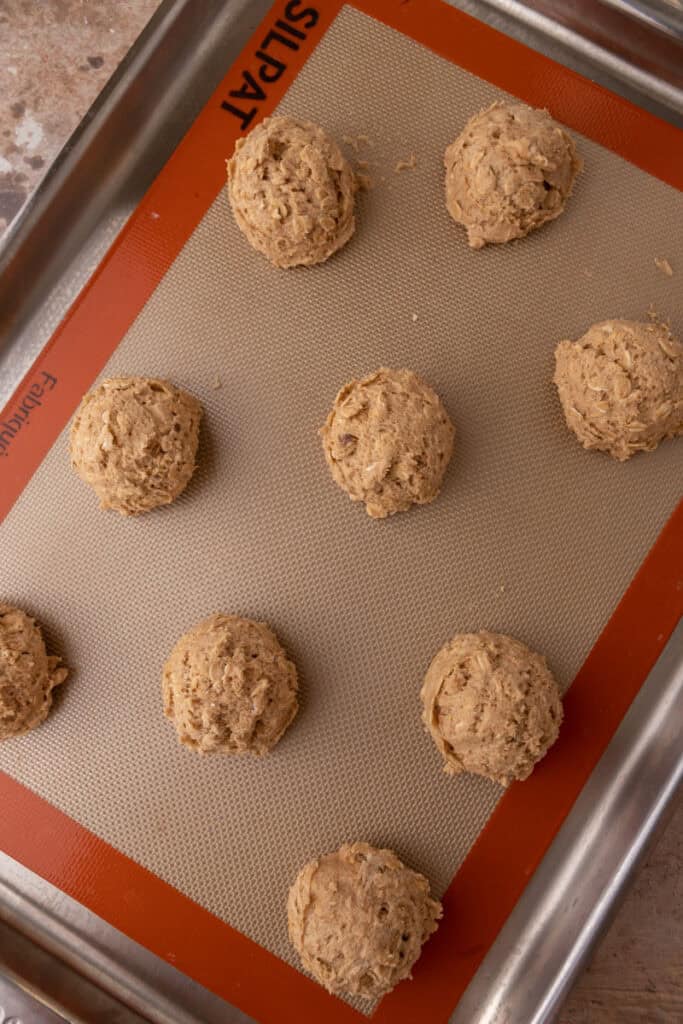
270	61
20	416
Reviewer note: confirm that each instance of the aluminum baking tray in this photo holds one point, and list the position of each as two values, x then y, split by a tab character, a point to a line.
59	240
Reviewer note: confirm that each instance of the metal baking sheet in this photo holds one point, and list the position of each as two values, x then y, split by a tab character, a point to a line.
214	255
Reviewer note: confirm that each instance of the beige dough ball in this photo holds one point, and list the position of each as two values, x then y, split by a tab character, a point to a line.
621	386
491	706
388	441
358	919
229	688
27	675
134	440
292	192
510	170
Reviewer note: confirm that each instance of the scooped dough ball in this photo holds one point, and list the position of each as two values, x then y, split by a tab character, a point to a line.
621	386
292	192
358	919
27	675
510	170
134	440
491	706
229	687
388	441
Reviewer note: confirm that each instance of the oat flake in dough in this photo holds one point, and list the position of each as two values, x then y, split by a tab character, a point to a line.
388	441
134	440
358	919
621	386
510	170
292	192
27	674
491	705
229	688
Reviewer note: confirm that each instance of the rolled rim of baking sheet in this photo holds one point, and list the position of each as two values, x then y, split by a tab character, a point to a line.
480	897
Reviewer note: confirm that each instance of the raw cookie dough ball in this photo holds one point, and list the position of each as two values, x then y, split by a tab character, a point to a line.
27	674
229	687
491	705
292	192
621	386
358	919
388	441
134	440
510	170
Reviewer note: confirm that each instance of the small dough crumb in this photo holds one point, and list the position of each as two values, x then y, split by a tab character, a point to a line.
358	919
406	165
355	141
663	264
28	674
292	192
388	441
229	687
216	384
414	318
621	386
134	441
491	705
510	170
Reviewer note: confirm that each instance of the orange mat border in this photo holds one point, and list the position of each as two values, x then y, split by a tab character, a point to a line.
481	896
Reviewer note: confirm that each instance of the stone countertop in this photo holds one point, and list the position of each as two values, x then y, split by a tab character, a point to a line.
55	56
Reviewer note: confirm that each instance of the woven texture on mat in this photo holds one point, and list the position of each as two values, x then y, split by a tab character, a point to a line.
531	534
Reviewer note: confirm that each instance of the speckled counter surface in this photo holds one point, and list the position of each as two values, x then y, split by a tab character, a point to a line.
55	56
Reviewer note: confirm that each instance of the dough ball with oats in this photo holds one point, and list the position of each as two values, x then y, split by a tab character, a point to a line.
621	386
510	170
28	674
292	192
388	441
491	705
358	919
229	688
134	440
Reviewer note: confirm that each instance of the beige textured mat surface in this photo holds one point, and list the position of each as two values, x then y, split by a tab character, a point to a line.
531	534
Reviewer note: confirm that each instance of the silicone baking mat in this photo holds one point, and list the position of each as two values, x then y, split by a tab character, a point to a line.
531	535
